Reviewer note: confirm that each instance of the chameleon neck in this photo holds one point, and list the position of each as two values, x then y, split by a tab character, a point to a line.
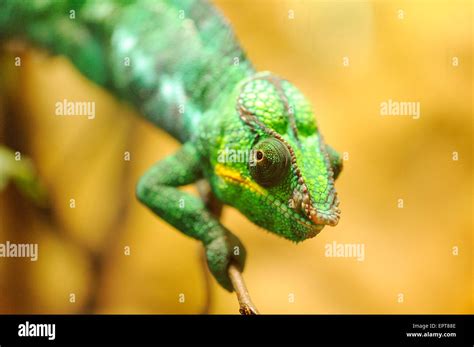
171	59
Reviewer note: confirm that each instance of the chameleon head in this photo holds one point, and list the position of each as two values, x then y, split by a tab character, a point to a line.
272	163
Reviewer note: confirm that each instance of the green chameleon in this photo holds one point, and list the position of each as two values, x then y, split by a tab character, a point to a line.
180	65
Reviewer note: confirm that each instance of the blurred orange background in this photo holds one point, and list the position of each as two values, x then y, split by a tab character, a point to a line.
399	50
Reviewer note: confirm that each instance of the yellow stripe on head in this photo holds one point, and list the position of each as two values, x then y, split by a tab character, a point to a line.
235	176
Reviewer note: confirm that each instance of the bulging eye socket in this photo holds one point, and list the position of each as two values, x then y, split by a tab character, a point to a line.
270	162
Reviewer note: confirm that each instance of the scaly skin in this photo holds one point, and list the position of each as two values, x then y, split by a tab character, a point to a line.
188	75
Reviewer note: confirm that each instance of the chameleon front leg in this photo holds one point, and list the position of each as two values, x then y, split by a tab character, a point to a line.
215	207
157	189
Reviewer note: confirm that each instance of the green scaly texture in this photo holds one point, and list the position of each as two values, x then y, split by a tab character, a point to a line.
252	135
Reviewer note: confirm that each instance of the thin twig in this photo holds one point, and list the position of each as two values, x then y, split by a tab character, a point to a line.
246	305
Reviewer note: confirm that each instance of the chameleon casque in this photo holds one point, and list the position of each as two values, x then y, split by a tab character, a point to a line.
179	64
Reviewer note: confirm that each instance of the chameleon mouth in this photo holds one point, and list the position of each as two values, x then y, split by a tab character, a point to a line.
302	202
331	218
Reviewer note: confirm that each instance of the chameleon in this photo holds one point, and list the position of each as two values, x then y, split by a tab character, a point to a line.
180	65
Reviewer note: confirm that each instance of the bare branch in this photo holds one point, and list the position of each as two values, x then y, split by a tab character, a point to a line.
246	305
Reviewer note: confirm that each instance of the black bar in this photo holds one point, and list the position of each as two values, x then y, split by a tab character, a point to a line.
218	329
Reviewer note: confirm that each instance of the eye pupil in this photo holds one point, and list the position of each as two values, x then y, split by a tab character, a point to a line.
271	162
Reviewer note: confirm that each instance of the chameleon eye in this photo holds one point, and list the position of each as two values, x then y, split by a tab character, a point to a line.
269	162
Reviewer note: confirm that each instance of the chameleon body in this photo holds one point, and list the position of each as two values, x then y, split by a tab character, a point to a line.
180	65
